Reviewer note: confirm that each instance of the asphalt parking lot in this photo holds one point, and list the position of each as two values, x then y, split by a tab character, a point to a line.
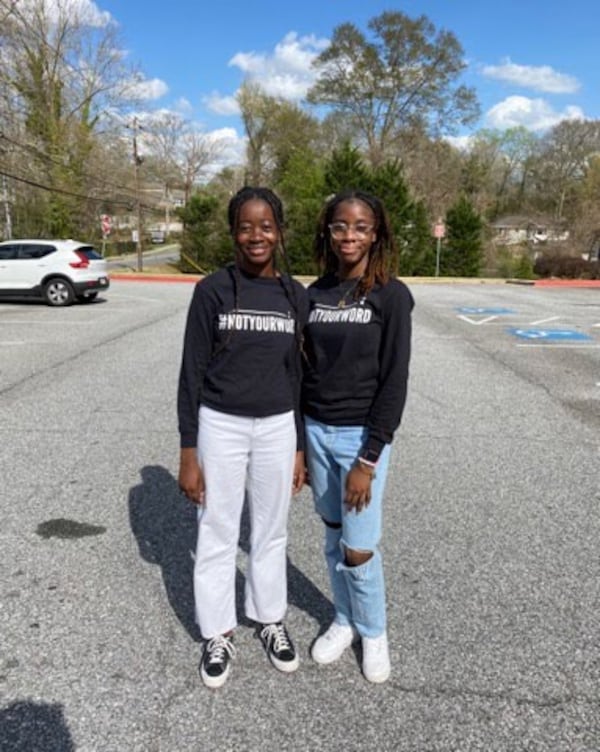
490	546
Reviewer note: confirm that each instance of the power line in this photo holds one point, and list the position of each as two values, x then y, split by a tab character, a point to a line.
45	156
116	202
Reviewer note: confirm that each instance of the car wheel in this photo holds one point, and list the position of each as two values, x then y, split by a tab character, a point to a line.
58	292
87	298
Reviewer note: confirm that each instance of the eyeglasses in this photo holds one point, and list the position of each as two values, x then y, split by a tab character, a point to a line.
339	229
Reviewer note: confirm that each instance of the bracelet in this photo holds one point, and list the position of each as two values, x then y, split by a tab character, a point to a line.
365	467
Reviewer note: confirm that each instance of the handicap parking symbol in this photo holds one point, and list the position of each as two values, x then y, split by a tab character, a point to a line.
487	311
549	335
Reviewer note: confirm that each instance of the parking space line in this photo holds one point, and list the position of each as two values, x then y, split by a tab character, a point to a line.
544	321
479	322
548	346
38	321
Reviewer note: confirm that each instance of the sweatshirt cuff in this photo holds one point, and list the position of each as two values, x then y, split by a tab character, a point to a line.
372	449
188	440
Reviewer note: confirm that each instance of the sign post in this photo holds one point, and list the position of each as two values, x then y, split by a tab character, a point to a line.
106	226
439	232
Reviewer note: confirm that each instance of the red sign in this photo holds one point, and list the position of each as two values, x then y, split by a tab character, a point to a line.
106	224
439	230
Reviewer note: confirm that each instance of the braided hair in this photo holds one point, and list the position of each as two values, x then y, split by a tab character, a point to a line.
381	251
254	193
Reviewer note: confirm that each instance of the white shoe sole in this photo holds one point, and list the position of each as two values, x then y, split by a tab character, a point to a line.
214	682
378	678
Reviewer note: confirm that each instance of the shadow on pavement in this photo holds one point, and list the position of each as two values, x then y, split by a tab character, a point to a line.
27	726
164	525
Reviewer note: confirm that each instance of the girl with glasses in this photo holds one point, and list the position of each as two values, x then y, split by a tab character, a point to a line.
357	344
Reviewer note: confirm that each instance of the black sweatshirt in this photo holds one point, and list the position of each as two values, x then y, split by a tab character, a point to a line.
358	353
244	360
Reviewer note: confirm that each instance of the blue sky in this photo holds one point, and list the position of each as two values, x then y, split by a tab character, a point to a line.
532	63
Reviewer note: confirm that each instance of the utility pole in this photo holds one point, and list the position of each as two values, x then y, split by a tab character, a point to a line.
6	201
439	232
137	161
8	223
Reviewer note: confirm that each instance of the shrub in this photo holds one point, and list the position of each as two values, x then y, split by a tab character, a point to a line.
566	267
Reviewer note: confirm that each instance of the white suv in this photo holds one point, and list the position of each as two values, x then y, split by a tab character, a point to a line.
60	271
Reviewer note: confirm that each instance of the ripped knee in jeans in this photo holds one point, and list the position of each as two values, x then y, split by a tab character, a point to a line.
354	558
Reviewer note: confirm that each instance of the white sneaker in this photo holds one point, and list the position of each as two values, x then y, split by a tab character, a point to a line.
330	645
376	658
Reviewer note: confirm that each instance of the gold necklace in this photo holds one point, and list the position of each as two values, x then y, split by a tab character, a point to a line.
349	293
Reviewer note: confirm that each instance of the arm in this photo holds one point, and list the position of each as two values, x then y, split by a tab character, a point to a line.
394	357
191	478
197	350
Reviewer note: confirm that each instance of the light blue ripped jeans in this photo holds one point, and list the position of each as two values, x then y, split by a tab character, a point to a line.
358	592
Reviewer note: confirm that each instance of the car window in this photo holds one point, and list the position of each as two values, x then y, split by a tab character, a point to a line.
8	252
90	252
35	251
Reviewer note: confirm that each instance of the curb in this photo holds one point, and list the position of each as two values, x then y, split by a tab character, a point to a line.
567	283
141	277
193	278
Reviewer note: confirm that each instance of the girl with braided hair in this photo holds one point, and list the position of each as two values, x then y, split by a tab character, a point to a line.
357	343
241	432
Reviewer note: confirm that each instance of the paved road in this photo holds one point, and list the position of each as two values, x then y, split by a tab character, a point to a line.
491	542
163	254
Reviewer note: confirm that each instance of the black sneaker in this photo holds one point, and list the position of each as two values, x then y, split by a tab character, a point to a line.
215	665
279	647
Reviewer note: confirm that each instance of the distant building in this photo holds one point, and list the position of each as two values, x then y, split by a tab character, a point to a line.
517	229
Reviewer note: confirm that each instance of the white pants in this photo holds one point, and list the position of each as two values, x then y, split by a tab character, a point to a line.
253	457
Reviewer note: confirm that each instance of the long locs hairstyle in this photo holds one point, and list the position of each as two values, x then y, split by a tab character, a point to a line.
381	252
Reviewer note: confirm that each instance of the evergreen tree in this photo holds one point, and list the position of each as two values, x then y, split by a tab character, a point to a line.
206	243
345	169
418	255
387	182
462	254
302	189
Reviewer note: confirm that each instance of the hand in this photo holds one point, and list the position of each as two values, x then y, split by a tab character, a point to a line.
191	477
358	489
299	472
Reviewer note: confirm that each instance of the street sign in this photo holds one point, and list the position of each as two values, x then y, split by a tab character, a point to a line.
106	223
439	230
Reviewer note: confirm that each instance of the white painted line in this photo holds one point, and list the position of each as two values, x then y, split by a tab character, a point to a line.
477	323
543	321
8	344
37	322
555	347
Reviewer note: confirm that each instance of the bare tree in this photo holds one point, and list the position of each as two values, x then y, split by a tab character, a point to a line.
61	68
563	158
179	155
404	76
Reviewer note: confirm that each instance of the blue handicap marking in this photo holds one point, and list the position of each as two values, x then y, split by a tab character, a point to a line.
549	335
488	311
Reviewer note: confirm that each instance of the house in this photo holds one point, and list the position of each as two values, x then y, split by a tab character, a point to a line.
522	229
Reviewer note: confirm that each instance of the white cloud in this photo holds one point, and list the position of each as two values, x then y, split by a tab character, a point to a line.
146	88
183	106
222	105
533	114
83	11
287	72
230	152
539	78
460	142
